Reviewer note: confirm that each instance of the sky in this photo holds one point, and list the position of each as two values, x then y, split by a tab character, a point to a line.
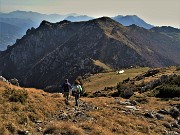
155	12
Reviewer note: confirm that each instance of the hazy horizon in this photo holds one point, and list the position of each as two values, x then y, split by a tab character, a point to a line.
155	12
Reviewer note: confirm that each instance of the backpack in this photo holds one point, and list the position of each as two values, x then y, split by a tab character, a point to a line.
77	89
66	87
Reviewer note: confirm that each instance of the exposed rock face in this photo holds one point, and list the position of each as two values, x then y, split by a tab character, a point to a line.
52	52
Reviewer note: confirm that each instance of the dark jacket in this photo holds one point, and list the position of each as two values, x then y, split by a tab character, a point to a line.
66	87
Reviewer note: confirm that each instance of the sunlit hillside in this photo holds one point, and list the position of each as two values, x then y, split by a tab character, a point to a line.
32	111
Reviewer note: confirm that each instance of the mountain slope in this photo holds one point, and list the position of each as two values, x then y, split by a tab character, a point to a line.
13	29
52	52
27	19
35	16
9	33
169	31
132	19
33	111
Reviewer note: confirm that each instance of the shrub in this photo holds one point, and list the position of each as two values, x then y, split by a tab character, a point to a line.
168	91
120	87
16	95
124	90
11	128
175	80
22	120
33	117
178	68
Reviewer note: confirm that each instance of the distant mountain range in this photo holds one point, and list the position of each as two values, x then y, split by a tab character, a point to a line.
8	34
78	18
12	29
132	19
25	20
55	51
34	16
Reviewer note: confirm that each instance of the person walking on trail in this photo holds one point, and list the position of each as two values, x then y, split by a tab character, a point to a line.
66	86
76	90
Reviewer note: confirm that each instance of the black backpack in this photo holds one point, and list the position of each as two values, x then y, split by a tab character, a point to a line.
66	87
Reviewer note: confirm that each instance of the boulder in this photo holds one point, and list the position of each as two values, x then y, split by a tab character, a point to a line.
133	102
163	111
14	81
167	125
174	112
172	133
159	116
149	115
3	79
175	124
22	132
128	93
132	108
151	72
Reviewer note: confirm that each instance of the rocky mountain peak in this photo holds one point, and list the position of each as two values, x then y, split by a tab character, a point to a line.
54	51
64	22
45	23
102	20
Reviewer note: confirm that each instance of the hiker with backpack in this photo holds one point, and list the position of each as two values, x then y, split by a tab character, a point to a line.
66	86
76	90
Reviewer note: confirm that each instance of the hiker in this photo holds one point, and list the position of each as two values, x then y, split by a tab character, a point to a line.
66	86
76	90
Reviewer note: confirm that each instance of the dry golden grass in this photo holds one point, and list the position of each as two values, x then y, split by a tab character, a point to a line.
63	128
104	66
39	106
110	118
113	121
163	71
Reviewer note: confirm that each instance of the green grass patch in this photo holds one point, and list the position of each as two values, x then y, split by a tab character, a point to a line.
110	79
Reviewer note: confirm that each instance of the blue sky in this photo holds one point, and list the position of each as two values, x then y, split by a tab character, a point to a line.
156	12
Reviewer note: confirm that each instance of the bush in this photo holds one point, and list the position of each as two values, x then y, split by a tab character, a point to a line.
178	68
168	91
16	95
11	128
124	90
120	87
33	117
175	80
22	119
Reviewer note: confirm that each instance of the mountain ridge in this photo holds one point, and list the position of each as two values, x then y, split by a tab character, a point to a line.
54	51
27	19
132	19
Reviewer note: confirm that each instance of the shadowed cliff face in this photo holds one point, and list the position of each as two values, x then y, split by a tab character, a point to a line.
52	52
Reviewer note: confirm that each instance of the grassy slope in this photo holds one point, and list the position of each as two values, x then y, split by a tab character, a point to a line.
104	66
102	80
109	117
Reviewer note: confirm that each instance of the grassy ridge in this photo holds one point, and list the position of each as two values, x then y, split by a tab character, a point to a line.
102	80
